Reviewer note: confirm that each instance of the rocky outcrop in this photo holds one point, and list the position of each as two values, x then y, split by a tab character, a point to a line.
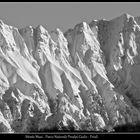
87	79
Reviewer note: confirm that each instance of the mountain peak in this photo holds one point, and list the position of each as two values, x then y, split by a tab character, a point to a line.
85	79
41	29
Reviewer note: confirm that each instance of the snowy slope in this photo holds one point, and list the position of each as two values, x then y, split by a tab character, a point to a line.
85	79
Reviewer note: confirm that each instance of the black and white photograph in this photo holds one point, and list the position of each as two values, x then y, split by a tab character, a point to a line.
69	69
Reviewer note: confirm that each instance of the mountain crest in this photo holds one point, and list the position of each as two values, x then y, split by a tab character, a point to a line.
85	79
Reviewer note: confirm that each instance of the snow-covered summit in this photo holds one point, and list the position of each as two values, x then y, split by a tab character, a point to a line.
85	79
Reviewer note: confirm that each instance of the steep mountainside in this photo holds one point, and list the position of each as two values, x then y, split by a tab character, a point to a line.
87	79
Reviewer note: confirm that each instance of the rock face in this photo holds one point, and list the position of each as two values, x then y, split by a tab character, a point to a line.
86	80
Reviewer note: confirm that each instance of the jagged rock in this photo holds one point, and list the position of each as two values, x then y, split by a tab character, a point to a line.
86	79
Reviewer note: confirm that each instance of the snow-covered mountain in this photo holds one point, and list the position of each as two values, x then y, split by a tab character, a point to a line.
87	79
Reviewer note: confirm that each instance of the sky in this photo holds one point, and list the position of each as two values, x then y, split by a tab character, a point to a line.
63	15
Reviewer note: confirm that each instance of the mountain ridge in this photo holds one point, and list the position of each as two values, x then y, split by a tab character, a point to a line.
86	79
